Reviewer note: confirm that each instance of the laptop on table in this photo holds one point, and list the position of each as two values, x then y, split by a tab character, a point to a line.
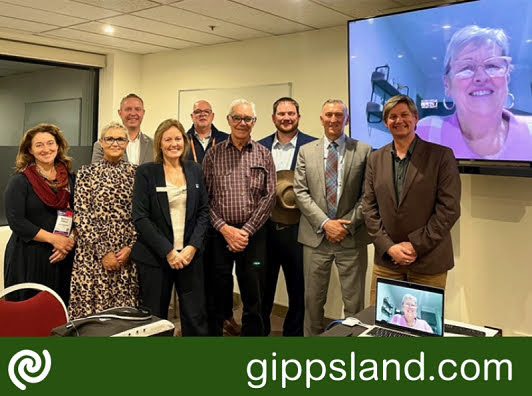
406	309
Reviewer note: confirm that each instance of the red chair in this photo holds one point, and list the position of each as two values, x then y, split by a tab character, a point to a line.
34	317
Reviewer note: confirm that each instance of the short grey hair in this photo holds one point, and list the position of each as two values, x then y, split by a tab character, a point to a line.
113	125
409	297
335	101
473	34
241	101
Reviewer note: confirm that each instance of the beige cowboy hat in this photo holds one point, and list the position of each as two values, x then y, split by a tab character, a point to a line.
285	210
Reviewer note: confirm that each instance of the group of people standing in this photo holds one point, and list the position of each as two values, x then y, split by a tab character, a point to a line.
183	209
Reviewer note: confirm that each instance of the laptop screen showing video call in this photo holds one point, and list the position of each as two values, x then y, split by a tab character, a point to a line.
411	307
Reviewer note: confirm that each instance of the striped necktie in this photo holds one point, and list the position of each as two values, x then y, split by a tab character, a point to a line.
331	179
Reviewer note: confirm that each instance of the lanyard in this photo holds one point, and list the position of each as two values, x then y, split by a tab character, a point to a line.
193	147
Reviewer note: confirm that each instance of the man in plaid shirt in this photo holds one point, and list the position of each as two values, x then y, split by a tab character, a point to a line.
240	179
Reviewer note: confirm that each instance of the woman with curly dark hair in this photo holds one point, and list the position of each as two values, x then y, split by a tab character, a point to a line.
38	205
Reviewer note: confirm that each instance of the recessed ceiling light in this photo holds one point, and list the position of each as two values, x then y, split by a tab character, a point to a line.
400	55
434	58
109	29
529	41
446	26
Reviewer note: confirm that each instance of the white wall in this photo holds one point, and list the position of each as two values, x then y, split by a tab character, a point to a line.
314	62
122	75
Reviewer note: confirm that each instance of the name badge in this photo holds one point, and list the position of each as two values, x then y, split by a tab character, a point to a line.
161	189
63	225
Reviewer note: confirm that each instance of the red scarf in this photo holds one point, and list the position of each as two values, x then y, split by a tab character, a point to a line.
43	189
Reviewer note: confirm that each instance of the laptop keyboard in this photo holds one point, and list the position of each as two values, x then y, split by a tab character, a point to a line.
382	332
466	331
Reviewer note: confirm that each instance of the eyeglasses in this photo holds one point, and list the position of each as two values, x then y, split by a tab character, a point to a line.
408	305
110	140
496	66
238	119
199	112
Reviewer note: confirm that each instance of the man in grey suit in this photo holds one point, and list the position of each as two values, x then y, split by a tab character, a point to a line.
140	147
328	183
411	202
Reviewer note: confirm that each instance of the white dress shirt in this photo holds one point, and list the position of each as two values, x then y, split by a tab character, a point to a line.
133	150
283	154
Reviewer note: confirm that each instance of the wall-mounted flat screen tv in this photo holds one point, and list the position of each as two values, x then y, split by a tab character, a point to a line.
468	67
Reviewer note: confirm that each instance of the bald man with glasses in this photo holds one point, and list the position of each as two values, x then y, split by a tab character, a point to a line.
203	134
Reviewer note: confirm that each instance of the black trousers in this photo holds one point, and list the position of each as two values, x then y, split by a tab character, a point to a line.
156	291
250	267
210	277
284	251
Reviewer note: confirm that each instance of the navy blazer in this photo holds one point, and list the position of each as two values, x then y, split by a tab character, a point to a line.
302	138
216	135
151	213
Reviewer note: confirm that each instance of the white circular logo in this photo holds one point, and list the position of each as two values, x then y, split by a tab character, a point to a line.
27	361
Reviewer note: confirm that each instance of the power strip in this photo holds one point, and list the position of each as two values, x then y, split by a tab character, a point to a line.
148	330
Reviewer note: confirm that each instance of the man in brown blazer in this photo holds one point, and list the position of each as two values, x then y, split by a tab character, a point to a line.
411	201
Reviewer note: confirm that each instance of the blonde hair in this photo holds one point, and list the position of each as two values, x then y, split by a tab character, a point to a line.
113	125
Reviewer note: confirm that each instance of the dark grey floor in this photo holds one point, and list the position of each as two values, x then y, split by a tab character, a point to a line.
276	319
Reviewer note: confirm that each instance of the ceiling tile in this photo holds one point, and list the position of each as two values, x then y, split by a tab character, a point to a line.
165	29
191	20
302	11
30	14
422	3
106	41
135	35
65	7
242	15
27	26
360	8
121	5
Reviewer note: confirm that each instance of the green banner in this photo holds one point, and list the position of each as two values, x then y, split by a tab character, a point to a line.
234	366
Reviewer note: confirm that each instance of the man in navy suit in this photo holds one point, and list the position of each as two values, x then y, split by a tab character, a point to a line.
203	134
282	246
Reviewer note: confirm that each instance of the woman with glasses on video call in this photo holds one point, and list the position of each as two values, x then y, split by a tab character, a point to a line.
103	275
477	70
409	317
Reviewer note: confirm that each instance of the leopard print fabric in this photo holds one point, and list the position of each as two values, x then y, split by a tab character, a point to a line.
103	219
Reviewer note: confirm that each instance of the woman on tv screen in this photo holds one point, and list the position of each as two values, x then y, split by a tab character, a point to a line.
477	69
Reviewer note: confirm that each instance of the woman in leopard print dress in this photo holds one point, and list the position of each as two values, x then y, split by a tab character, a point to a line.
103	276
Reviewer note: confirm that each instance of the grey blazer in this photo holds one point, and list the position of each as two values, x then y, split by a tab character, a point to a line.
146	150
309	187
